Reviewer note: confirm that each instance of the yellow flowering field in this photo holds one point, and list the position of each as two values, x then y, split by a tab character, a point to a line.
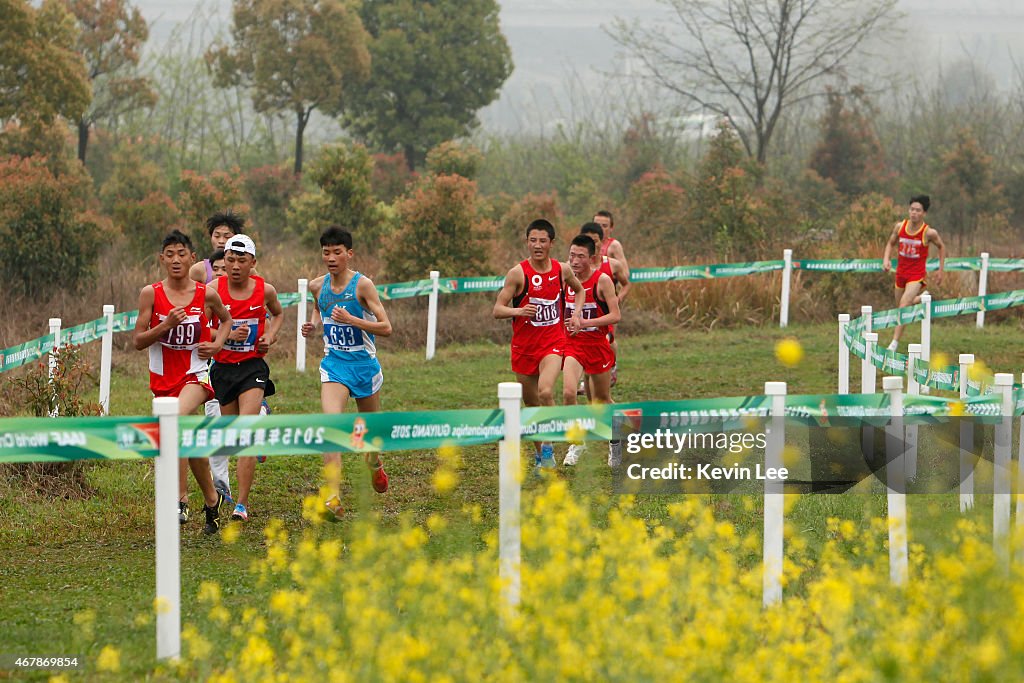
618	598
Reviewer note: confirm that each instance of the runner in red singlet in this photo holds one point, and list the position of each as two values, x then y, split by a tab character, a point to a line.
240	376
221	227
612	248
912	237
173	324
532	298
588	349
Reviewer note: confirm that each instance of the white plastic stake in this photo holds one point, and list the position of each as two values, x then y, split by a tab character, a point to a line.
867	369
300	341
55	331
774	497
867	386
106	357
966	440
844	355
1001	471
926	334
1020	483
982	287
509	474
432	314
913	388
896	483
168	558
865	312
787	276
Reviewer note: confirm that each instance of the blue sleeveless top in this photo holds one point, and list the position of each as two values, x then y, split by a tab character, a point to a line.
345	342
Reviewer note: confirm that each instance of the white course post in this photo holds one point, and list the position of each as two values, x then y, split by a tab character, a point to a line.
896	483
774	497
106	357
787	276
509	474
926	335
432	314
867	386
982	287
966	440
865	312
844	355
1001	473
913	388
300	341
55	331
168	567
867	369
1020	483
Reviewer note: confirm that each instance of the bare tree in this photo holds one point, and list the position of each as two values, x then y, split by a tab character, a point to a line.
748	60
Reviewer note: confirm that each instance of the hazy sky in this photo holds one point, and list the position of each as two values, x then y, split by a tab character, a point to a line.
561	51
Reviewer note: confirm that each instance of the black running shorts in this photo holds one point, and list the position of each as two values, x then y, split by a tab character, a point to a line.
232	379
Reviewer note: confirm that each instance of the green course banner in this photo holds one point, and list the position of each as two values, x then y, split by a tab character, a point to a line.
995	302
467	285
952	307
405	290
16	356
77	438
897	316
201	437
1005	265
840	265
703	272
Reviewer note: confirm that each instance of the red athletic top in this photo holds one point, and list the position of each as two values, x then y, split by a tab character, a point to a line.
593	308
605	246
912	257
606	267
543	290
176	355
251	312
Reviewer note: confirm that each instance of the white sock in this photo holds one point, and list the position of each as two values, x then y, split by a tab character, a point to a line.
893	345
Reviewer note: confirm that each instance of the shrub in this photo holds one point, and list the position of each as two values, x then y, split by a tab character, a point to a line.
135	196
202	196
451	158
440	228
44	232
344	196
269	190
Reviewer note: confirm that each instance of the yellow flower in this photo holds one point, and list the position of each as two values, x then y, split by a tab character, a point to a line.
445	481
229	533
209	591
161	605
109	659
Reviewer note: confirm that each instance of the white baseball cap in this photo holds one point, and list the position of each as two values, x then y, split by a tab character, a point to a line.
241	243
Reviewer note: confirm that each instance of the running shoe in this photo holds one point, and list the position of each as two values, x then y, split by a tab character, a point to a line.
614	453
334	509
547	456
573	455
212	525
581	390
223	489
380	480
240	513
182	512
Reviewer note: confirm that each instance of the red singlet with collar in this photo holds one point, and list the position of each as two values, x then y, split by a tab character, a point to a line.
175	356
251	312
543	290
594	307
912	257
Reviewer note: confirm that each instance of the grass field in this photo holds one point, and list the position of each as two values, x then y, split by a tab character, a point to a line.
78	575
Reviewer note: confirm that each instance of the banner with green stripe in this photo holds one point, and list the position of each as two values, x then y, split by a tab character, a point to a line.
28	439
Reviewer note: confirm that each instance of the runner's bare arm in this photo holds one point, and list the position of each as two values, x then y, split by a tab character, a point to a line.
576	321
606	288
273	305
314	319
369	298
887	254
933	236
145	336
620	269
514	281
615	251
215	308
198	272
